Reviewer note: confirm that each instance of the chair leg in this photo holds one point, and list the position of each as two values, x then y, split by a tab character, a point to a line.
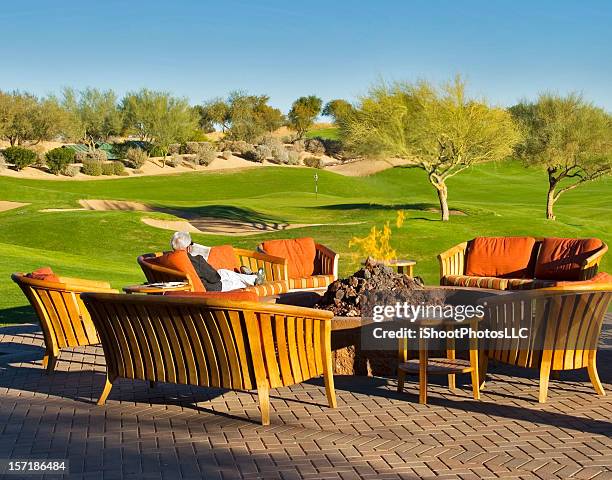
328	376
107	388
450	354
482	369
263	392
401	376
594	376
48	363
544	376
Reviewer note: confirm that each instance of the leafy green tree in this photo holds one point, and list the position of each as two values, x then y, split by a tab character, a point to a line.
338	109
95	114
214	113
568	137
303	113
159	118
439	130
20	157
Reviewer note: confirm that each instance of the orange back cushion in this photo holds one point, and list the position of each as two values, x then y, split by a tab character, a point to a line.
179	260
223	256
234	295
299	252
560	258
505	257
45	274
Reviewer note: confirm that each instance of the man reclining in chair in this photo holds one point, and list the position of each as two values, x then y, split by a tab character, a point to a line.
221	280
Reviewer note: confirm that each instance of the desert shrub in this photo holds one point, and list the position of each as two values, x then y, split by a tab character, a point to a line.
190	147
280	155
118	168
2	162
136	157
71	170
315	146
108	168
99	155
58	159
174	160
239	146
313	162
174	148
92	167
41	159
156	151
262	153
138	171
272	142
20	157
206	154
227	154
298	146
293	158
332	147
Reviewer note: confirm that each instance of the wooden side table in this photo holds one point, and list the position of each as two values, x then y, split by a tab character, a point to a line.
145	288
424	366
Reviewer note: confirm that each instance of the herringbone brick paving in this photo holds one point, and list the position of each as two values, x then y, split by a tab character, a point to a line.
178	432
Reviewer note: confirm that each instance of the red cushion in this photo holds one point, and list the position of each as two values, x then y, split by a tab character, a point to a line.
44	273
179	260
560	258
299	252
223	256
504	257
234	295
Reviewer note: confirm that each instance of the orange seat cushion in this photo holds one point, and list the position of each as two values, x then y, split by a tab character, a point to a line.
560	258
45	274
179	260
223	256
299	252
234	295
504	257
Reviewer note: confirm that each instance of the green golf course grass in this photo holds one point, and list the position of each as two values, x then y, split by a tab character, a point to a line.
498	199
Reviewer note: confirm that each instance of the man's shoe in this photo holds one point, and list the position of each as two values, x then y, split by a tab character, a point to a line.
246	270
261	277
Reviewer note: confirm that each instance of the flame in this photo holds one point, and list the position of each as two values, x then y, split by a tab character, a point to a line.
377	243
399	219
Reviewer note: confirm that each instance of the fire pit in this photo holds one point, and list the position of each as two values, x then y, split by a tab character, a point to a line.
351	300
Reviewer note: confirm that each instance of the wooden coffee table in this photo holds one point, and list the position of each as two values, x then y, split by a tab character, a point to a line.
145	288
425	366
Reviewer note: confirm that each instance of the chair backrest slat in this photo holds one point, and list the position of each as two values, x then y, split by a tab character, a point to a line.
564	324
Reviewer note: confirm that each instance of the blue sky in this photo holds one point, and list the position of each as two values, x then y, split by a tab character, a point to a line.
506	50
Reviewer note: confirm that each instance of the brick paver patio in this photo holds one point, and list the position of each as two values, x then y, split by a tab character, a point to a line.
176	432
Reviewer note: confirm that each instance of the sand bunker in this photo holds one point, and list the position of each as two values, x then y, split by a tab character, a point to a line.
207	225
6	205
363	168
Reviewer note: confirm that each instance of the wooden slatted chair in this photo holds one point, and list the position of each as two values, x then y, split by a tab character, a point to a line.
563	331
63	318
212	343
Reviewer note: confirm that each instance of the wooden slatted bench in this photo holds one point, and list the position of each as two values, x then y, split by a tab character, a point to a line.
212	343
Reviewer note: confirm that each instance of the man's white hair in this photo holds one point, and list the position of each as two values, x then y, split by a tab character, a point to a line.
180	241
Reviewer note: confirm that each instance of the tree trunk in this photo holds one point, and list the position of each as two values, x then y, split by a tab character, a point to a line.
443	198
550	202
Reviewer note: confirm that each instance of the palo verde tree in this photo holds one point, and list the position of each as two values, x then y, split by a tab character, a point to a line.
27	119
303	113
338	109
159	118
568	137
95	114
439	130
242	116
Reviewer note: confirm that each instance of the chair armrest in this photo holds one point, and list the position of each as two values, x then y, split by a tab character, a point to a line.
589	266
84	283
452	261
274	267
326	261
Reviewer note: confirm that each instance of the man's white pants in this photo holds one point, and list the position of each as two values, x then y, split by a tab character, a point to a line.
231	280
